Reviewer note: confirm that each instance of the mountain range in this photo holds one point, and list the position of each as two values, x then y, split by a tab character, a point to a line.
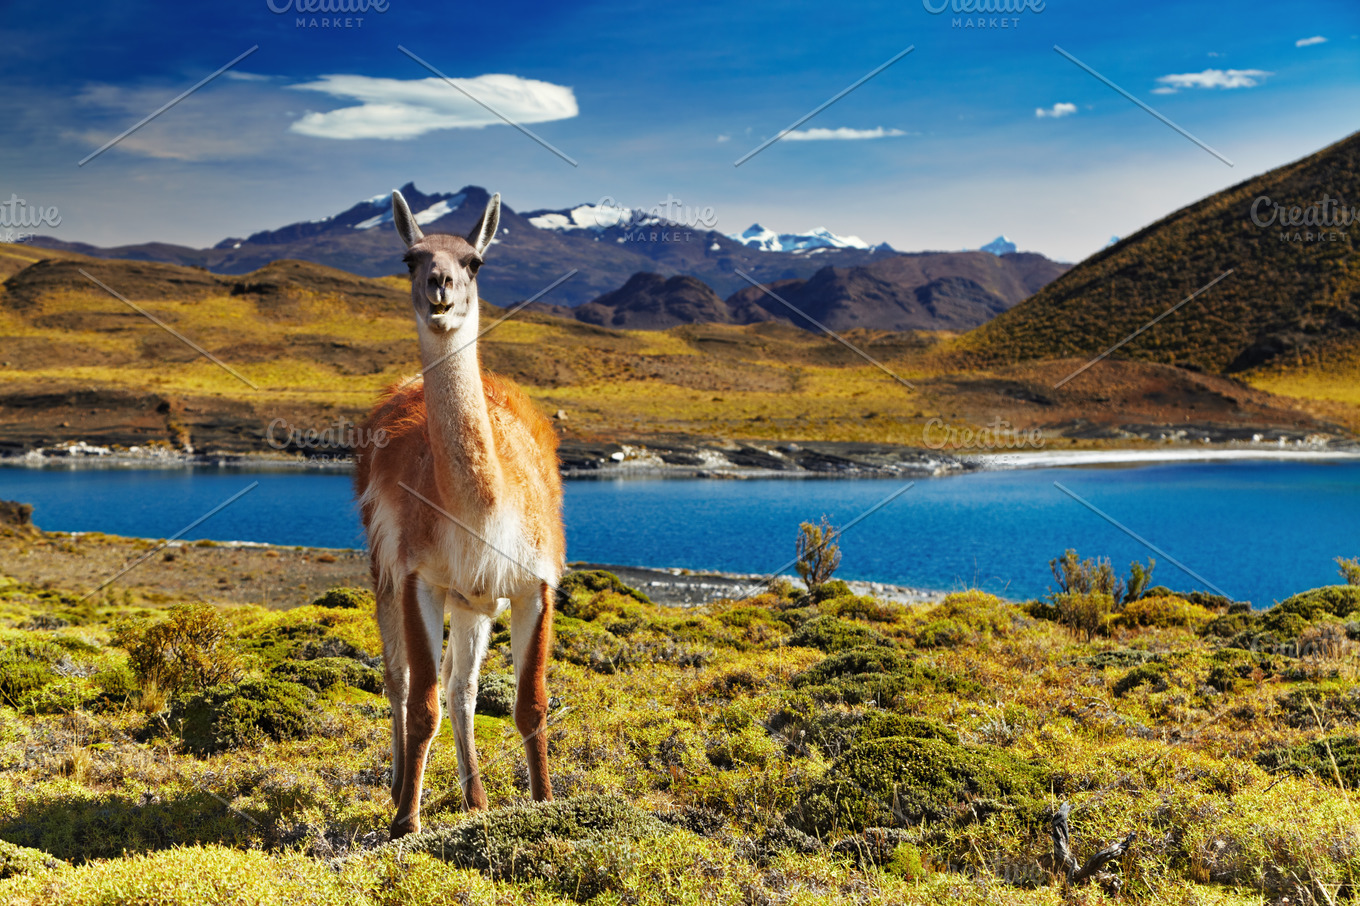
925	291
608	246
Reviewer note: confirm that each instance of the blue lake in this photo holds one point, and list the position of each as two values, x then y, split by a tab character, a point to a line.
1258	531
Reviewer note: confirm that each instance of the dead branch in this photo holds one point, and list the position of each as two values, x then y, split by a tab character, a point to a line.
1091	870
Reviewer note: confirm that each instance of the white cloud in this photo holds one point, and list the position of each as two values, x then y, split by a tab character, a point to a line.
238	76
1212	78
724	138
395	109
843	134
1059	109
1309	42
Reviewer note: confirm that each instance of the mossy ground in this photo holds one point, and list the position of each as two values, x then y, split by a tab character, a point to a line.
775	749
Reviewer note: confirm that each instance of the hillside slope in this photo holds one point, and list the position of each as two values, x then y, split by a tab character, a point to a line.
1291	290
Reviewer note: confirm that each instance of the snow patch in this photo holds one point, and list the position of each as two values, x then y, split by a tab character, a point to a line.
438	209
758	237
999	246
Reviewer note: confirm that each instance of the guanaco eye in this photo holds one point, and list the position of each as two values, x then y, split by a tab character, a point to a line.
472	266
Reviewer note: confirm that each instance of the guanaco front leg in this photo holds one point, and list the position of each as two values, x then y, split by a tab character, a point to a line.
423	631
469	633
531	641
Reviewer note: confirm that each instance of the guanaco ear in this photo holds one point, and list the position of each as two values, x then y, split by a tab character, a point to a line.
485	230
406	225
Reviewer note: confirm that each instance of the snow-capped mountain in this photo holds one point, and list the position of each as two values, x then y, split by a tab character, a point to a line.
428	215
586	217
602	244
758	237
999	246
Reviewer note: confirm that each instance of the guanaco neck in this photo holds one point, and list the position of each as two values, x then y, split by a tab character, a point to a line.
459	426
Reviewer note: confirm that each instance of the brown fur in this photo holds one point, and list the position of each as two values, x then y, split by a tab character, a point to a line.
431	481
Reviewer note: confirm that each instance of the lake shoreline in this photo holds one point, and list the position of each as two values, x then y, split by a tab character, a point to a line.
732	460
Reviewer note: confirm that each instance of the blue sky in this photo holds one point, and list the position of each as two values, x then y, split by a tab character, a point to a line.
944	149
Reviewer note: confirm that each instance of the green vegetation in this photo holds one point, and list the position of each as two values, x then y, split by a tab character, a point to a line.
788	747
818	554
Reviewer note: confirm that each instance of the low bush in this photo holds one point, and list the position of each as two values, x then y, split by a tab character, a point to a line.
347	599
831	634
190	649
496	695
900	781
325	673
1163	611
233	715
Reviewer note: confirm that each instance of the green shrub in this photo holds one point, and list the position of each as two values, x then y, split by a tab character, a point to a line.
1145	675
189	649
592	582
828	633
817	554
906	862
496	695
1316	758
945	633
898	781
831	588
115	685
1337	600
1230	625
20	860
888	723
347	599
326	673
1085	613
876	674
1163	612
1084	577
861	607
20	677
1285	624
232	715
581	847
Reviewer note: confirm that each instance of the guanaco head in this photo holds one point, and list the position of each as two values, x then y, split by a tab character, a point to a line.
443	267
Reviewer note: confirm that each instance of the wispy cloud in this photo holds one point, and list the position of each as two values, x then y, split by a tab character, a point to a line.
245	76
1059	109
843	134
1211	78
397	109
1309	42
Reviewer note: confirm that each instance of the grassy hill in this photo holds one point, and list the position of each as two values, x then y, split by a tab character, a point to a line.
312	344
1288	302
782	748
